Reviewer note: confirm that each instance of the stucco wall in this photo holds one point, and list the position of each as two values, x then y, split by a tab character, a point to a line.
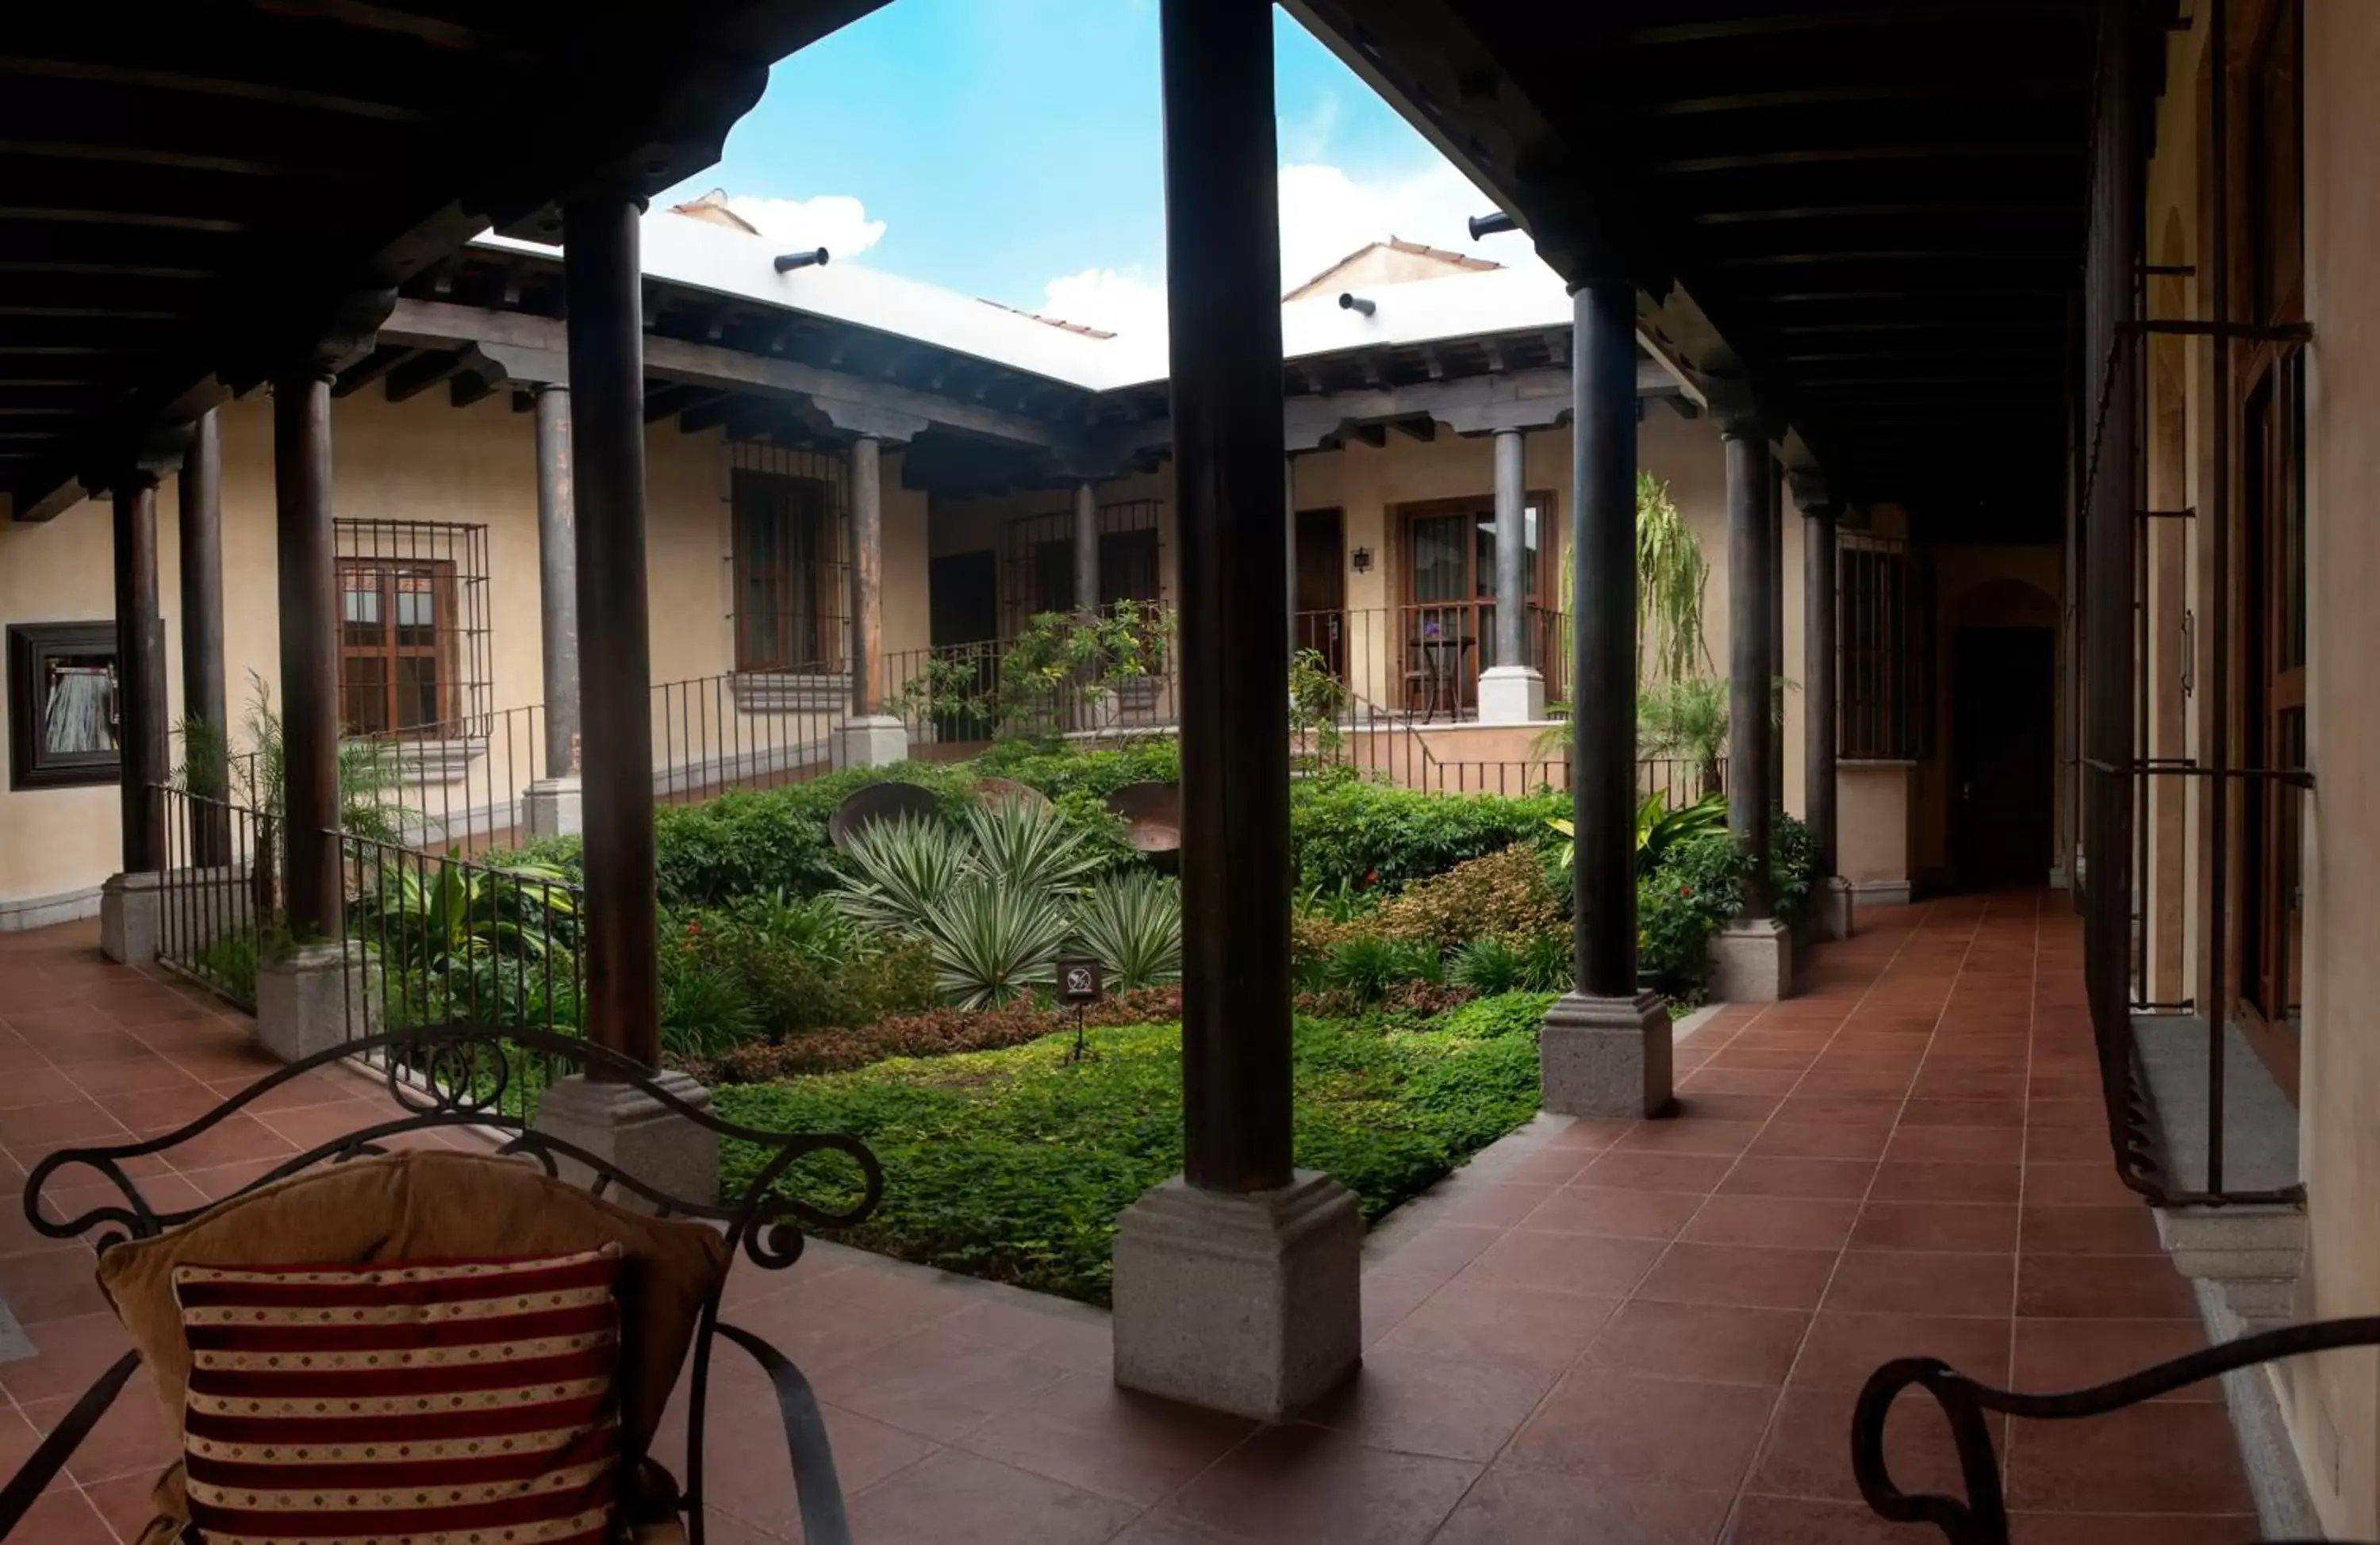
2336	1405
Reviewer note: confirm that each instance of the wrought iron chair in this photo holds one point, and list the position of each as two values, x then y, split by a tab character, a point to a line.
1982	1519
471	1076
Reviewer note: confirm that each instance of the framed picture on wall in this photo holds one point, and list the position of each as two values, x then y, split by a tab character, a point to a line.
62	705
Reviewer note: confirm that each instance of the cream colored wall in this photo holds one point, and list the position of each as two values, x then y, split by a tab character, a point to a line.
2336	1400
418	460
1872	823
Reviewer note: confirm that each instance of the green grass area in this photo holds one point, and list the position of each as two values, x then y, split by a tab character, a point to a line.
1013	1165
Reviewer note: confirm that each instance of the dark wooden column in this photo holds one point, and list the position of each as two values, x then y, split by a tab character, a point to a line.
310	648
200	489
1818	679
866	576
1087	547
1223	289
1751	742
140	670
557	573
606	332
1775	539
1603	638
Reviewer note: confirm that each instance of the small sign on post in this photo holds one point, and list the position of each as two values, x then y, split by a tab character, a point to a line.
1079	983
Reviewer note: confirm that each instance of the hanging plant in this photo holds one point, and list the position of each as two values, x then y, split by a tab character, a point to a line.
1670	579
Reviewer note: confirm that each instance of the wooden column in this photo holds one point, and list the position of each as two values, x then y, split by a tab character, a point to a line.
1818	679
1751	742
606	331
1776	540
866	576
557	574
1087	547
139	671
199	486
1222	285
1512	547
310	648
1603	639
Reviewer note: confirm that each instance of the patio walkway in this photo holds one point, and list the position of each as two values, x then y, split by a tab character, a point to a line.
1621	1332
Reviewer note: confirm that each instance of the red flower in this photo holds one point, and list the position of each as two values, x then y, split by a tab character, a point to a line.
1685	890
1371	877
692	929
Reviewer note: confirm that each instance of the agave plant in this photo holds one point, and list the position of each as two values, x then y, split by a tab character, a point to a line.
992	942
1027	844
899	869
1132	924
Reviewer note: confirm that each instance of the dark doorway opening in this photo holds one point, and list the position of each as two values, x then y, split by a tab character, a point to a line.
2003	757
1322	588
963	618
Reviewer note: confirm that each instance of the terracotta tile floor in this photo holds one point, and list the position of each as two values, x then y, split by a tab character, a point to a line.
1622	1331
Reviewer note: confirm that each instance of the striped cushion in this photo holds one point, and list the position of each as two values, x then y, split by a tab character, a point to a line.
409	1403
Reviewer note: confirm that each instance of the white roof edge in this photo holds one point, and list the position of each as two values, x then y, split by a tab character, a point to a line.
727	262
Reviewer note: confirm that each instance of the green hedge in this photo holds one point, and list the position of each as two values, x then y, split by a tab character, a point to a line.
1013	1165
1346	832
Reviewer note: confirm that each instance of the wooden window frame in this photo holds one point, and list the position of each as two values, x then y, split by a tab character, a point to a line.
790	500
443	648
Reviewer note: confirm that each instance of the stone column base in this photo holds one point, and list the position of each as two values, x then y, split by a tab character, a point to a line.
1606	1055
1511	695
877	740
551	807
1752	961
1831	908
1250	1304
315	998
638	1135
131	917
1881	893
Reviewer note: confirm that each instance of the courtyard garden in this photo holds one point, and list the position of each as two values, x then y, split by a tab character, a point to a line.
898	986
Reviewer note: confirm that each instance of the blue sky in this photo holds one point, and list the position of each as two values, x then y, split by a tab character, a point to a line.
1010	149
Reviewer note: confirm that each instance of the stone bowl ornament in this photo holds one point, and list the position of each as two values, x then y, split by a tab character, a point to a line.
1007	790
1152	816
865	806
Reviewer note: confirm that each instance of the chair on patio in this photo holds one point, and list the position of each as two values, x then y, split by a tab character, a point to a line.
1982	1519
426	1217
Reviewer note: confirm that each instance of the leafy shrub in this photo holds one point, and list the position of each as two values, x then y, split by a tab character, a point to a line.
1792	866
804	965
1365	836
1132	924
1514	1013
1673	934
1013	1165
705	1008
1368	966
1488	966
931	1032
1546	963
1313	936
1504	896
1095	773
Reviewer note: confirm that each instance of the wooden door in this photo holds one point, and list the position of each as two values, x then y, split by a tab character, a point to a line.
2003	757
1321	583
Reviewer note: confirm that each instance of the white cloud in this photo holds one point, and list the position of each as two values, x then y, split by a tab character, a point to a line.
1325	215
1118	300
834	221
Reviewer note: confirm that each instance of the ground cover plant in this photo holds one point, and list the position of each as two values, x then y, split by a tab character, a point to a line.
1013	1165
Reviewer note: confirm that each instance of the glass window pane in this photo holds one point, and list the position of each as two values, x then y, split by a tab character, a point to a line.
1437	568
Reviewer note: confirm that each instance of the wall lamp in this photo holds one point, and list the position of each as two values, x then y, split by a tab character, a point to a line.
1360	561
1492	225
788	261
1357	303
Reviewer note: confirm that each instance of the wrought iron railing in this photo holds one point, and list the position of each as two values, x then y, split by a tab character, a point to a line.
441	941
217	891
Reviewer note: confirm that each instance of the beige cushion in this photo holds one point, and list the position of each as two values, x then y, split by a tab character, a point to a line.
429	1205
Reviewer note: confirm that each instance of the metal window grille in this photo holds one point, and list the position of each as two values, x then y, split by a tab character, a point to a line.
1886	650
413	627
790	553
1037	562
